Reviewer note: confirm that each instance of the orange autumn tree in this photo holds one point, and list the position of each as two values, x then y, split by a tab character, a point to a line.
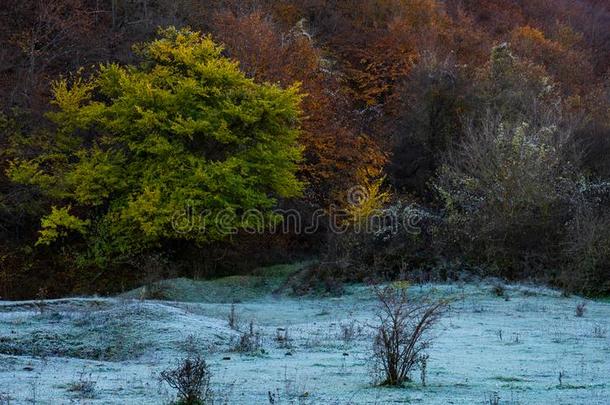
385	43
561	56
335	151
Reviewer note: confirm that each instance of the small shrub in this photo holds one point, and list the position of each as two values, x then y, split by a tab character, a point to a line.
283	338
403	333
581	309
5	399
423	366
159	290
349	331
249	342
498	290
41	296
232	318
84	388
494	399
192	381
599	332
190	345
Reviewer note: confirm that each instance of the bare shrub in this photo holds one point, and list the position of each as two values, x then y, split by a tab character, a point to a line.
349	331
599	332
41	296
192	381
159	290
423	367
403	333
190	345
294	390
581	308
84	388
508	188
232	318
5	399
283	338
249	342
493	399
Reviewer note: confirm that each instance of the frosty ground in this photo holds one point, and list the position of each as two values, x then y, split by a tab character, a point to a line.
529	348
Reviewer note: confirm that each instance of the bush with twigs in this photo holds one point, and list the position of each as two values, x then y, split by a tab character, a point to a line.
84	388
249	341
402	334
192	381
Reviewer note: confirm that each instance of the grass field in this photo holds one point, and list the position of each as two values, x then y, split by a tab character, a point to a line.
311	350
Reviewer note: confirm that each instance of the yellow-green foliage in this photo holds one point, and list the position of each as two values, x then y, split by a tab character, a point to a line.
401	285
58	223
137	145
368	198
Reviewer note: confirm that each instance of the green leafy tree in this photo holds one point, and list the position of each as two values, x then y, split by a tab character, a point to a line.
176	148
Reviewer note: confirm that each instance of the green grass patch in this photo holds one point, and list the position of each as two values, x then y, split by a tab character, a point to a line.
261	282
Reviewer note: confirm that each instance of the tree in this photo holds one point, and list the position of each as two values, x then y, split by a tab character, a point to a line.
37	38
136	146
428	121
570	66
507	187
334	150
507	194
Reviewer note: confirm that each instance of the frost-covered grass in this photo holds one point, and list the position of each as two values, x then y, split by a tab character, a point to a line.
312	350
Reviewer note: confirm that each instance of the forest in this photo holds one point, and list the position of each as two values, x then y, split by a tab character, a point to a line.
143	140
